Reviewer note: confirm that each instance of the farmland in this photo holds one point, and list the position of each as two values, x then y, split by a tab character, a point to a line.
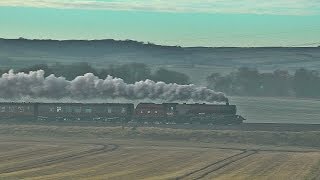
278	109
75	152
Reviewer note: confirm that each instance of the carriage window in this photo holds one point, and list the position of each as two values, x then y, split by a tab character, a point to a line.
156	112
51	109
109	110
59	109
77	109
141	112
3	109
88	110
11	109
21	109
149	112
69	109
123	110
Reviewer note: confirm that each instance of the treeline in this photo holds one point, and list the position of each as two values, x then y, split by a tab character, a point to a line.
251	82
130	73
243	82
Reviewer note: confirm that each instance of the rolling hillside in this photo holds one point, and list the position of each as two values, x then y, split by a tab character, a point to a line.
18	51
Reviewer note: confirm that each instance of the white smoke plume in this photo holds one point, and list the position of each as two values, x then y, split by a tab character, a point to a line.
35	85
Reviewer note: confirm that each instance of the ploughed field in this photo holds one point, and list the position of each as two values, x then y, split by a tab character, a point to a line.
28	155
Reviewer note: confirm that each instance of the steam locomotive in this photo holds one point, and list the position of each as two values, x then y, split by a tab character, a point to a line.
123	112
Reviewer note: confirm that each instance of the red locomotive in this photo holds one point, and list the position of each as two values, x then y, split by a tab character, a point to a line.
187	113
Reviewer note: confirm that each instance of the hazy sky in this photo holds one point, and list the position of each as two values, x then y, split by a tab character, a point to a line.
170	22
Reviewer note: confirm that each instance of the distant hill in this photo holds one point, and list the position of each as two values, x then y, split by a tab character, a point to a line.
21	52
106	51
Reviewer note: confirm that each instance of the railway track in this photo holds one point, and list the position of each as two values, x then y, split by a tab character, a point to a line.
63	158
211	168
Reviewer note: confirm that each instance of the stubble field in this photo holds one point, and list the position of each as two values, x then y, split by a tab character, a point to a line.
33	156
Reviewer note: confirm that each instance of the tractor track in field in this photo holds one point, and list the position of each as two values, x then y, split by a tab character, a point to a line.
245	153
204	171
63	158
24	154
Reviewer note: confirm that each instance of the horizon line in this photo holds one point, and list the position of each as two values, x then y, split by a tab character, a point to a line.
302	45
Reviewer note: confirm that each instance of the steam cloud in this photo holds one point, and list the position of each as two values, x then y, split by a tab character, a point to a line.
35	85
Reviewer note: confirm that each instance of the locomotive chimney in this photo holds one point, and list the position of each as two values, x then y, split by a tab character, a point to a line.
227	102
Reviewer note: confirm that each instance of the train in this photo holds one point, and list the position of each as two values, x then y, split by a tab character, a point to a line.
163	113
